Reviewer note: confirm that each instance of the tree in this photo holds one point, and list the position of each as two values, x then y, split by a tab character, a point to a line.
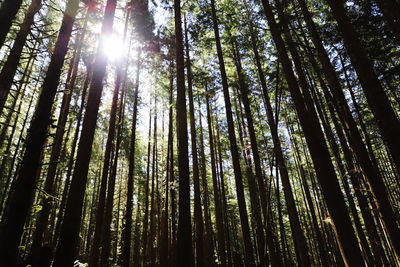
8	11
10	66
70	226
13	222
184	246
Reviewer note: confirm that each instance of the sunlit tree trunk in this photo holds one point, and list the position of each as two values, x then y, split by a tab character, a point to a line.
73	210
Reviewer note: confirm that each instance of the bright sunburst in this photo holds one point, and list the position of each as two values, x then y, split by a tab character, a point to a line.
113	47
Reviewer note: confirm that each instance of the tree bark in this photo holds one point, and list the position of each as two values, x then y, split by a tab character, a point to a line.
390	10
8	11
184	245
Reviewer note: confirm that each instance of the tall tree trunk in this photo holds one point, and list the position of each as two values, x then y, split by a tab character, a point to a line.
98	234
49	187
198	216
72	155
299	238
106	238
21	91
209	245
217	201
146	195
254	148
164	246
127	232
136	238
12	221
10	66
184	245
150	238
224	202
10	178
71	223
172	180
249	256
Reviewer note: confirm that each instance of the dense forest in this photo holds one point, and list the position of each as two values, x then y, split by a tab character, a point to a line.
199	133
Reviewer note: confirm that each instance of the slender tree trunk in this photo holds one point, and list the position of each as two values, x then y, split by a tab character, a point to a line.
21	91
299	237
224	203
146	201
254	148
164	246
136	238
105	178
209	245
217	201
198	216
106	238
184	246
10	66
150	238
249	256
127	232
10	178
92	215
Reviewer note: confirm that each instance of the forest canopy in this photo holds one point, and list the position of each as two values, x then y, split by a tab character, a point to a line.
199	133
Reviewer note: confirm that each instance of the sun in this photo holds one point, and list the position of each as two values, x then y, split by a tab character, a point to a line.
113	47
